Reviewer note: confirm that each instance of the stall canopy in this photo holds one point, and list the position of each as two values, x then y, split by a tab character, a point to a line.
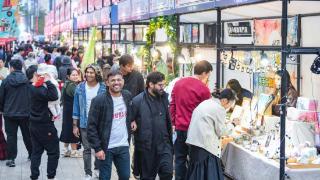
4	41
268	9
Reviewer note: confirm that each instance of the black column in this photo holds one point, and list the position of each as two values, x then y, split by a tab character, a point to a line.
218	67
284	33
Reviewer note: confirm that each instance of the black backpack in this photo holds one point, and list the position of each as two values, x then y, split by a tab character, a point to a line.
315	67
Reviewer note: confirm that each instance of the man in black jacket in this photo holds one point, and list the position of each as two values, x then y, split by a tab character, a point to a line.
109	127
133	80
15	103
153	139
43	132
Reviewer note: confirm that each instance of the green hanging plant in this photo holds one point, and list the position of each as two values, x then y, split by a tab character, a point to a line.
169	24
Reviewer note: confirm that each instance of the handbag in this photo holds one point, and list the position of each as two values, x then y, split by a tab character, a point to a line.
315	67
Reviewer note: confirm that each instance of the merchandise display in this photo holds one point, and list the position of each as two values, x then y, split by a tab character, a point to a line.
260	133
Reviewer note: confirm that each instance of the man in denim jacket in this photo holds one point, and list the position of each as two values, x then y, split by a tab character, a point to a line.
84	93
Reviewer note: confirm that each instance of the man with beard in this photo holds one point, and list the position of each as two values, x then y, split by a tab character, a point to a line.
109	127
83	96
153	137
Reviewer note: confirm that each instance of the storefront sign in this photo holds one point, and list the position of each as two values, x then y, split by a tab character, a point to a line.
83	5
184	6
239	29
105	16
96	18
239	32
97	4
140	10
124	11
183	3
161	7
57	16
91	4
224	3
67	10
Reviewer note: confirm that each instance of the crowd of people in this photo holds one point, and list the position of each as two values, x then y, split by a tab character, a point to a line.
108	108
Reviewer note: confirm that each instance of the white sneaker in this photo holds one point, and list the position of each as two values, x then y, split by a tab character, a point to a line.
87	177
96	174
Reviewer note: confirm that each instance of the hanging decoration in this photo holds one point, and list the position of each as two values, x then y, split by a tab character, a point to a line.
169	23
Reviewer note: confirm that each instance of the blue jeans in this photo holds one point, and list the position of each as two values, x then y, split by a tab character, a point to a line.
181	153
121	159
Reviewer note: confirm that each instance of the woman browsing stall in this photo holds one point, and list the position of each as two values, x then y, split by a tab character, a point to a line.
208	125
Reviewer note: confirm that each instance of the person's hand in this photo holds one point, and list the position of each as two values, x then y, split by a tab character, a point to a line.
101	155
47	77
1	77
133	126
76	131
236	121
173	128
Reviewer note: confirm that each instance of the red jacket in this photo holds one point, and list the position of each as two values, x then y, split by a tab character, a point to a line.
186	95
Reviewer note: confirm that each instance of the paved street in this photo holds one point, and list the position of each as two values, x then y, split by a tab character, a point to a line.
68	169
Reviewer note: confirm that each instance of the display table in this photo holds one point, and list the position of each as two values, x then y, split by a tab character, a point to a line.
243	164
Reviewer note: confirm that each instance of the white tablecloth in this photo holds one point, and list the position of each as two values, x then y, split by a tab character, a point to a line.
243	164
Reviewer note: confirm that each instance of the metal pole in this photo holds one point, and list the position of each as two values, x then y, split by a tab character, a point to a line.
222	43
299	57
218	68
111	38
284	33
119	33
175	59
102	40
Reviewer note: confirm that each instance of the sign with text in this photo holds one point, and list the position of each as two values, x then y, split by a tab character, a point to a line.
224	3
157	6
124	11
91	4
105	16
239	32
184	3
140	10
98	4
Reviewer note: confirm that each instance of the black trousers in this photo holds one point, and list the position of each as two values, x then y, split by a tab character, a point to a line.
159	160
181	151
11	128
44	137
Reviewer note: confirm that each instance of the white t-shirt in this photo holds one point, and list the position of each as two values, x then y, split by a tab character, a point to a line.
119	133
91	92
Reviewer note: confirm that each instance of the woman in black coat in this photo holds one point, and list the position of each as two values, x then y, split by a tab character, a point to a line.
73	77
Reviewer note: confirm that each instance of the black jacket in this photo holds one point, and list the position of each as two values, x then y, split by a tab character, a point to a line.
100	120
14	95
40	96
66	64
134	83
142	114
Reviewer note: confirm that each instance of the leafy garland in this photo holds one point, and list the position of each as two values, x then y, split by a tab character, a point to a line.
169	24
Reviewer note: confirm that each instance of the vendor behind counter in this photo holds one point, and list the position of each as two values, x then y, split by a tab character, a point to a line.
292	94
240	92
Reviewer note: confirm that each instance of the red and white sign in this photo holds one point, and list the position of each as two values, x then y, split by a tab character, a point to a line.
97	4
91	5
105	16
